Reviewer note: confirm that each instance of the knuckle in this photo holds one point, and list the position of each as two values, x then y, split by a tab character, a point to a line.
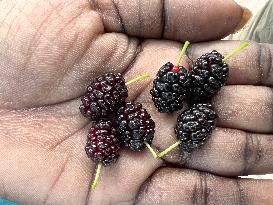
201	190
253	153
265	64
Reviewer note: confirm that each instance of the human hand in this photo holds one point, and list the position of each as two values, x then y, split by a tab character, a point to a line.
49	52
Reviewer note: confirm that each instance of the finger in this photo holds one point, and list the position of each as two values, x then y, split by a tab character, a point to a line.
247	108
227	152
234	152
172	19
174	186
251	66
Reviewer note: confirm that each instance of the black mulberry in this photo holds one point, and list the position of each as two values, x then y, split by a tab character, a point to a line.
195	125
135	126
169	88
208	74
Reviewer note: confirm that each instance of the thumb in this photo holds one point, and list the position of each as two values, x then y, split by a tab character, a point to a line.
173	19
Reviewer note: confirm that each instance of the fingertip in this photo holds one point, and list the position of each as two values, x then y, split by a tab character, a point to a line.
245	17
203	21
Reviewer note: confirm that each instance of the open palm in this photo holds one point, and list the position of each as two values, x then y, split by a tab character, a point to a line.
49	52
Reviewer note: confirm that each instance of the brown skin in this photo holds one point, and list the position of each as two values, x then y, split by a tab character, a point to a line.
49	51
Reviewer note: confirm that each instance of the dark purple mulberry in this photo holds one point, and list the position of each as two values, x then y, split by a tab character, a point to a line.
102	143
103	96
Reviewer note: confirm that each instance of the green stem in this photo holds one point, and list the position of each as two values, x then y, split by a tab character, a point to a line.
166	151
236	50
182	53
139	78
151	149
97	176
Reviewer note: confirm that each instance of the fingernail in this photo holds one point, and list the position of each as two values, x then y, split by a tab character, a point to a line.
246	16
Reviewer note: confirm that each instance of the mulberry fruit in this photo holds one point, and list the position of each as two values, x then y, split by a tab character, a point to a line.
169	88
208	75
103	96
135	126
102	143
195	125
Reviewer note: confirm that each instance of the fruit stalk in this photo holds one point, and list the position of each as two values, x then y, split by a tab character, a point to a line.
166	151
139	78
236	50
97	176
182	53
151	150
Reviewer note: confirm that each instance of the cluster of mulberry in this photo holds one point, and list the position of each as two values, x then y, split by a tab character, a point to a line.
117	123
175	85
132	126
